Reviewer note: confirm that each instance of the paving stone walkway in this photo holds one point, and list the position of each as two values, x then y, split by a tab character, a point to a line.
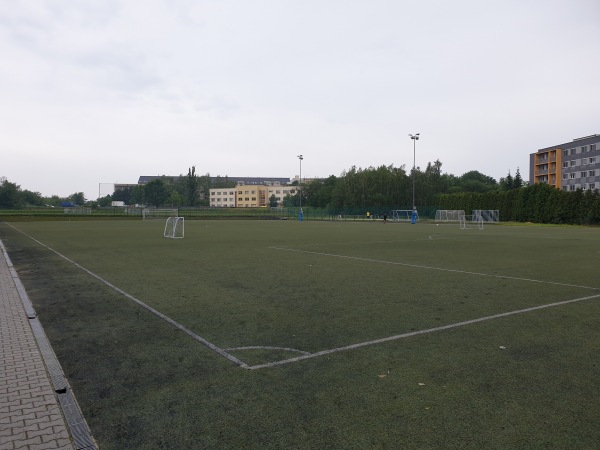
31	416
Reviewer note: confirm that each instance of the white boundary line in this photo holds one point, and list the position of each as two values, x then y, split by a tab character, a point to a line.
415	333
157	313
265	347
419	266
308	355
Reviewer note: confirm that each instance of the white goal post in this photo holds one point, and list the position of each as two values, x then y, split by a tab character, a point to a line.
487	215
471	222
404	215
449	215
156	213
174	228
78	210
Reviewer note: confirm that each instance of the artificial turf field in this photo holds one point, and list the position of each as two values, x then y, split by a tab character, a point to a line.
321	334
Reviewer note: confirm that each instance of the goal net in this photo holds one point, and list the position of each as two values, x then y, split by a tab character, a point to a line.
174	228
449	215
155	213
402	214
78	210
487	215
470	222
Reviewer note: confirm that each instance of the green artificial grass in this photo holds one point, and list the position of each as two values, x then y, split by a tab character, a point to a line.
523	381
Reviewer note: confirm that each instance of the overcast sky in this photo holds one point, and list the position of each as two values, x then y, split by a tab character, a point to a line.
103	91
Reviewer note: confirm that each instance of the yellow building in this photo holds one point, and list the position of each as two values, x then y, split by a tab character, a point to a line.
250	195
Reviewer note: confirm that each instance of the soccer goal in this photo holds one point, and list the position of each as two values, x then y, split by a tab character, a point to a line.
470	222
403	215
156	213
174	228
78	210
487	215
448	215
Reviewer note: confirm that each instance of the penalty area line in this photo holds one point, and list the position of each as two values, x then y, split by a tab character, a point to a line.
419	332
157	313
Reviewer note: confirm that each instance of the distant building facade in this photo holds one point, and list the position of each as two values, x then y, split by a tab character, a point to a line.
570	166
250	195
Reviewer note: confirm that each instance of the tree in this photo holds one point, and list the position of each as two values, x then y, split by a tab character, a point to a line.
32	198
518	181
137	195
156	192
123	195
273	201
10	197
192	187
105	201
78	198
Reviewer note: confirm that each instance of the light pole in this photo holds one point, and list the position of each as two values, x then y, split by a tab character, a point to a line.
300	157
415	138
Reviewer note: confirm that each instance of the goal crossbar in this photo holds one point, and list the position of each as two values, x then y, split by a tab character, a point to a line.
449	215
159	213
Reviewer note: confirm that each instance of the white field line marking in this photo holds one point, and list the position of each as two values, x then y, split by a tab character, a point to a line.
415	333
419	266
264	347
157	313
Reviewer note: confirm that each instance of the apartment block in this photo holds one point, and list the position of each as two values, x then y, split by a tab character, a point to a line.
569	166
250	195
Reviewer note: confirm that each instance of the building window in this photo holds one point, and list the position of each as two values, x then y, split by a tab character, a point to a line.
564	176
583	174
592	160
573	151
571	188
592	147
565	164
592	173
584	149
572	163
572	175
592	185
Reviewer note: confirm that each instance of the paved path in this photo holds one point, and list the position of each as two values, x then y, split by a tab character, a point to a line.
31	416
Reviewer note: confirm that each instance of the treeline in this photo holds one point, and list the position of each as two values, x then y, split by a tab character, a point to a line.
13	197
190	190
389	186
539	203
372	189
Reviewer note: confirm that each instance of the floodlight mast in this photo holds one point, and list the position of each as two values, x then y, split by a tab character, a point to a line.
300	157
415	138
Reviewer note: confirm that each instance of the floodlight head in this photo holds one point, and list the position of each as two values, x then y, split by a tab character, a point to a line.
300	157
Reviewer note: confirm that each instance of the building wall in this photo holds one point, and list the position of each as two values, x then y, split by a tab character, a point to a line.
249	196
223	197
280	192
568	166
